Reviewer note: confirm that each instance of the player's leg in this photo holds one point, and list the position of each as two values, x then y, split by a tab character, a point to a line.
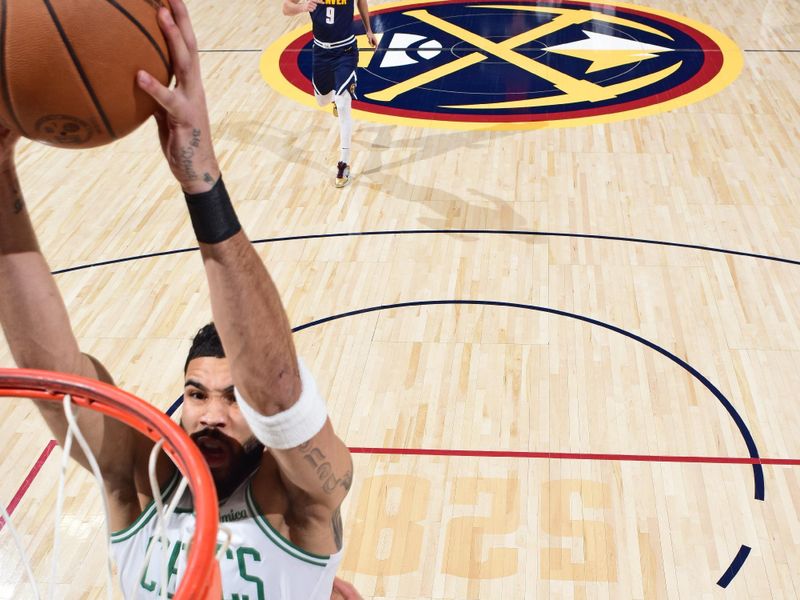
323	99
345	76
344	103
322	75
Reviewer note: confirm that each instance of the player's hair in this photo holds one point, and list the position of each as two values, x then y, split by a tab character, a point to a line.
205	343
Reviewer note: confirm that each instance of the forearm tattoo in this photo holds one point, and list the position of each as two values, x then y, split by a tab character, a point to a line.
187	157
336	525
316	458
17	202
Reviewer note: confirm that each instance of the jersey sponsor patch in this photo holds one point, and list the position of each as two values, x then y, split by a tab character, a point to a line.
517	65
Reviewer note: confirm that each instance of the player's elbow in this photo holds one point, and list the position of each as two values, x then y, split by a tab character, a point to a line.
38	357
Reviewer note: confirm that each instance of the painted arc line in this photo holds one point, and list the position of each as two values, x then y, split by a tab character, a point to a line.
757	474
521	232
754	460
752	450
735	566
757	470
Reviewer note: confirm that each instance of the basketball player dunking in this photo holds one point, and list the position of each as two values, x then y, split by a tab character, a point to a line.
250	404
334	61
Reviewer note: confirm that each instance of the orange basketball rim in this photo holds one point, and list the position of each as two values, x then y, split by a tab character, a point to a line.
202	578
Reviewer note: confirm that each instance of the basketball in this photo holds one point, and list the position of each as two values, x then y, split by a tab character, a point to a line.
68	68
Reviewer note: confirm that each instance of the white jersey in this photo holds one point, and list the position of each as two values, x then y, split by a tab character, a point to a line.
259	564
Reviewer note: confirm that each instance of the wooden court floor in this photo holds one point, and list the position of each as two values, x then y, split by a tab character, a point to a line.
627	297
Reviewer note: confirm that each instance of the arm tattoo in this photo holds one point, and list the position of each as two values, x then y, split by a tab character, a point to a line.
347	480
336	524
187	156
187	165
18	202
316	458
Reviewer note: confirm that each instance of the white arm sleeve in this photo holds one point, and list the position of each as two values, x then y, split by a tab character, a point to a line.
294	426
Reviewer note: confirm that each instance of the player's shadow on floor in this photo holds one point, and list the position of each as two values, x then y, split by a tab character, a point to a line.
456	211
424	146
289	144
370	141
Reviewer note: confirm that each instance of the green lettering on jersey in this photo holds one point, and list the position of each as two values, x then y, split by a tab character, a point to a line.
240	557
242	554
228	552
151	585
171	569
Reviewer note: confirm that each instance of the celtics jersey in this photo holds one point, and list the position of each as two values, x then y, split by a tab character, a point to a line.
332	21
259	564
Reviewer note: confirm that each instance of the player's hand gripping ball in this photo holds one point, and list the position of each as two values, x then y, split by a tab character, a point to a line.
68	68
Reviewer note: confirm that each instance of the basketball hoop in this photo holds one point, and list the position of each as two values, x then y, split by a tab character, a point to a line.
202	578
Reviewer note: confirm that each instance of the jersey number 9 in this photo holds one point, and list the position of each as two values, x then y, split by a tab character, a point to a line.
329	13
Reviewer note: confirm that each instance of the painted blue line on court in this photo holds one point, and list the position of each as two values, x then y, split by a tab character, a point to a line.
175	405
584	236
758	472
737	563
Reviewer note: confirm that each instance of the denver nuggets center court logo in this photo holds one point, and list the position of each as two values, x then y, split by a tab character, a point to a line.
516	65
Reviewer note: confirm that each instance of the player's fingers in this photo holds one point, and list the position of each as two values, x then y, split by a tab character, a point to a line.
158	92
184	24
182	62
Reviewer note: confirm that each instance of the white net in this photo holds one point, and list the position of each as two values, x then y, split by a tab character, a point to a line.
162	515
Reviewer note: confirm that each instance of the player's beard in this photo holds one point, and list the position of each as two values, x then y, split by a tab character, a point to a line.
244	458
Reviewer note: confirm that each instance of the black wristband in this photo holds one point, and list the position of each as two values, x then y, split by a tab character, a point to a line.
212	214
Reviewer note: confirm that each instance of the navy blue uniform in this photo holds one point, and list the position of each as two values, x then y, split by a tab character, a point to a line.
335	54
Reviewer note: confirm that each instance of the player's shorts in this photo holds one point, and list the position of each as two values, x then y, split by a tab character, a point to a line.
334	69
